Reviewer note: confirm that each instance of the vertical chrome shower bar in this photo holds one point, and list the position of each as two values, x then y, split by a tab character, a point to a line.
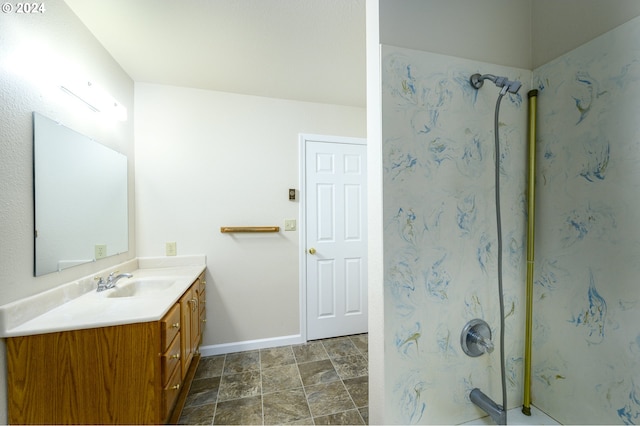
531	211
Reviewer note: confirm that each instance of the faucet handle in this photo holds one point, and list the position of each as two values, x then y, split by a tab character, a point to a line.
101	283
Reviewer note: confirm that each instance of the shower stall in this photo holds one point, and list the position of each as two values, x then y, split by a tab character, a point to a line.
440	245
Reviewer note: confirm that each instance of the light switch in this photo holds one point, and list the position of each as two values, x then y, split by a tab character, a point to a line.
289	224
171	249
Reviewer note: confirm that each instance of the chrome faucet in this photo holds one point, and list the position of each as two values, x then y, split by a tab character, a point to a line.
111	281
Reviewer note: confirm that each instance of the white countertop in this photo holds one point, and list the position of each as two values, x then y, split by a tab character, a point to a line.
77	305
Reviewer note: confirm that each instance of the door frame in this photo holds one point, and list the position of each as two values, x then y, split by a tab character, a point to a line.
302	213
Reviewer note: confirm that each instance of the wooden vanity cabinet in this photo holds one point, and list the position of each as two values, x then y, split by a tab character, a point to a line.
125	374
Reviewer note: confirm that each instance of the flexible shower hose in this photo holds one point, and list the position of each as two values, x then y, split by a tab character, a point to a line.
499	223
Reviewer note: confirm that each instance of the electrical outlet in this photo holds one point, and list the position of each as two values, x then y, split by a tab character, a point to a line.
100	251
171	249
289	224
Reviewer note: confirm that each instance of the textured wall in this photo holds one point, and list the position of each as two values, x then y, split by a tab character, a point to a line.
440	233
37	51
587	298
33	49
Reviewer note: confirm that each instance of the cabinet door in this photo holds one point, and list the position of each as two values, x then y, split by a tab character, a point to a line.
202	304
186	345
202	301
195	317
104	375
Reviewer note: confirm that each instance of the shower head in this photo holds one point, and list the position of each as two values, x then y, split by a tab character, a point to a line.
507	85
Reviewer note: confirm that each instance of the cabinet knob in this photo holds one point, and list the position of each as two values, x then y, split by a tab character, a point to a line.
175	387
176	356
204	320
175	325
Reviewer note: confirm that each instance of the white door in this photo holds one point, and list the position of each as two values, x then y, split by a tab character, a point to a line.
336	237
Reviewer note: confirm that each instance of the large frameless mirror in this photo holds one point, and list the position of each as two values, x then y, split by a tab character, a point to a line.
80	198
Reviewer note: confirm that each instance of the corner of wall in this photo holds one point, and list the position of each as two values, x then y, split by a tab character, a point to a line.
377	414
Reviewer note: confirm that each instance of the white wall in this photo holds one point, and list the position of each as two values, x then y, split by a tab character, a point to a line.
32	49
209	159
518	33
560	26
495	31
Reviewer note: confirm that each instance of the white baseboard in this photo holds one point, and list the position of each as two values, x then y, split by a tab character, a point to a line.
250	345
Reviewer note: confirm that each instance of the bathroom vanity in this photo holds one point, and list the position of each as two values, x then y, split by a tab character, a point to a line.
123	356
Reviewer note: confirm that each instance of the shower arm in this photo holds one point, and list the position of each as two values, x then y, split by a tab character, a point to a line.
507	85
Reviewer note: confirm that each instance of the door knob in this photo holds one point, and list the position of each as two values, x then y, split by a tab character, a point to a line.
312	251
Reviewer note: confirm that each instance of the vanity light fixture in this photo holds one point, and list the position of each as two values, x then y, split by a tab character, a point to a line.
44	68
95	98
70	92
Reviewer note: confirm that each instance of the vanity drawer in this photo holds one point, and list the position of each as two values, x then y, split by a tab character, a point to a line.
170	326
170	393
170	360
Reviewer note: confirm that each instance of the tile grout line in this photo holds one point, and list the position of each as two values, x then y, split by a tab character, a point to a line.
295	364
304	390
345	386
342	380
349	393
261	387
215	411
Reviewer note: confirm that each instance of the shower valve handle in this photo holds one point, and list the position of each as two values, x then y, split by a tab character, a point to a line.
476	338
484	343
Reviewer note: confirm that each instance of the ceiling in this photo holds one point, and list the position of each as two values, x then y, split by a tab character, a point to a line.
306	50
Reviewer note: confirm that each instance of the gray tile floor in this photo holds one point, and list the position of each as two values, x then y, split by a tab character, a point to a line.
320	382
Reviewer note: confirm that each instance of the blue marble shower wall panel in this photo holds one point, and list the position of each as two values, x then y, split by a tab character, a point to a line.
586	364
440	233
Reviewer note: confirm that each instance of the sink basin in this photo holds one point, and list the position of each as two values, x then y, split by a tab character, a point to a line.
140	287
